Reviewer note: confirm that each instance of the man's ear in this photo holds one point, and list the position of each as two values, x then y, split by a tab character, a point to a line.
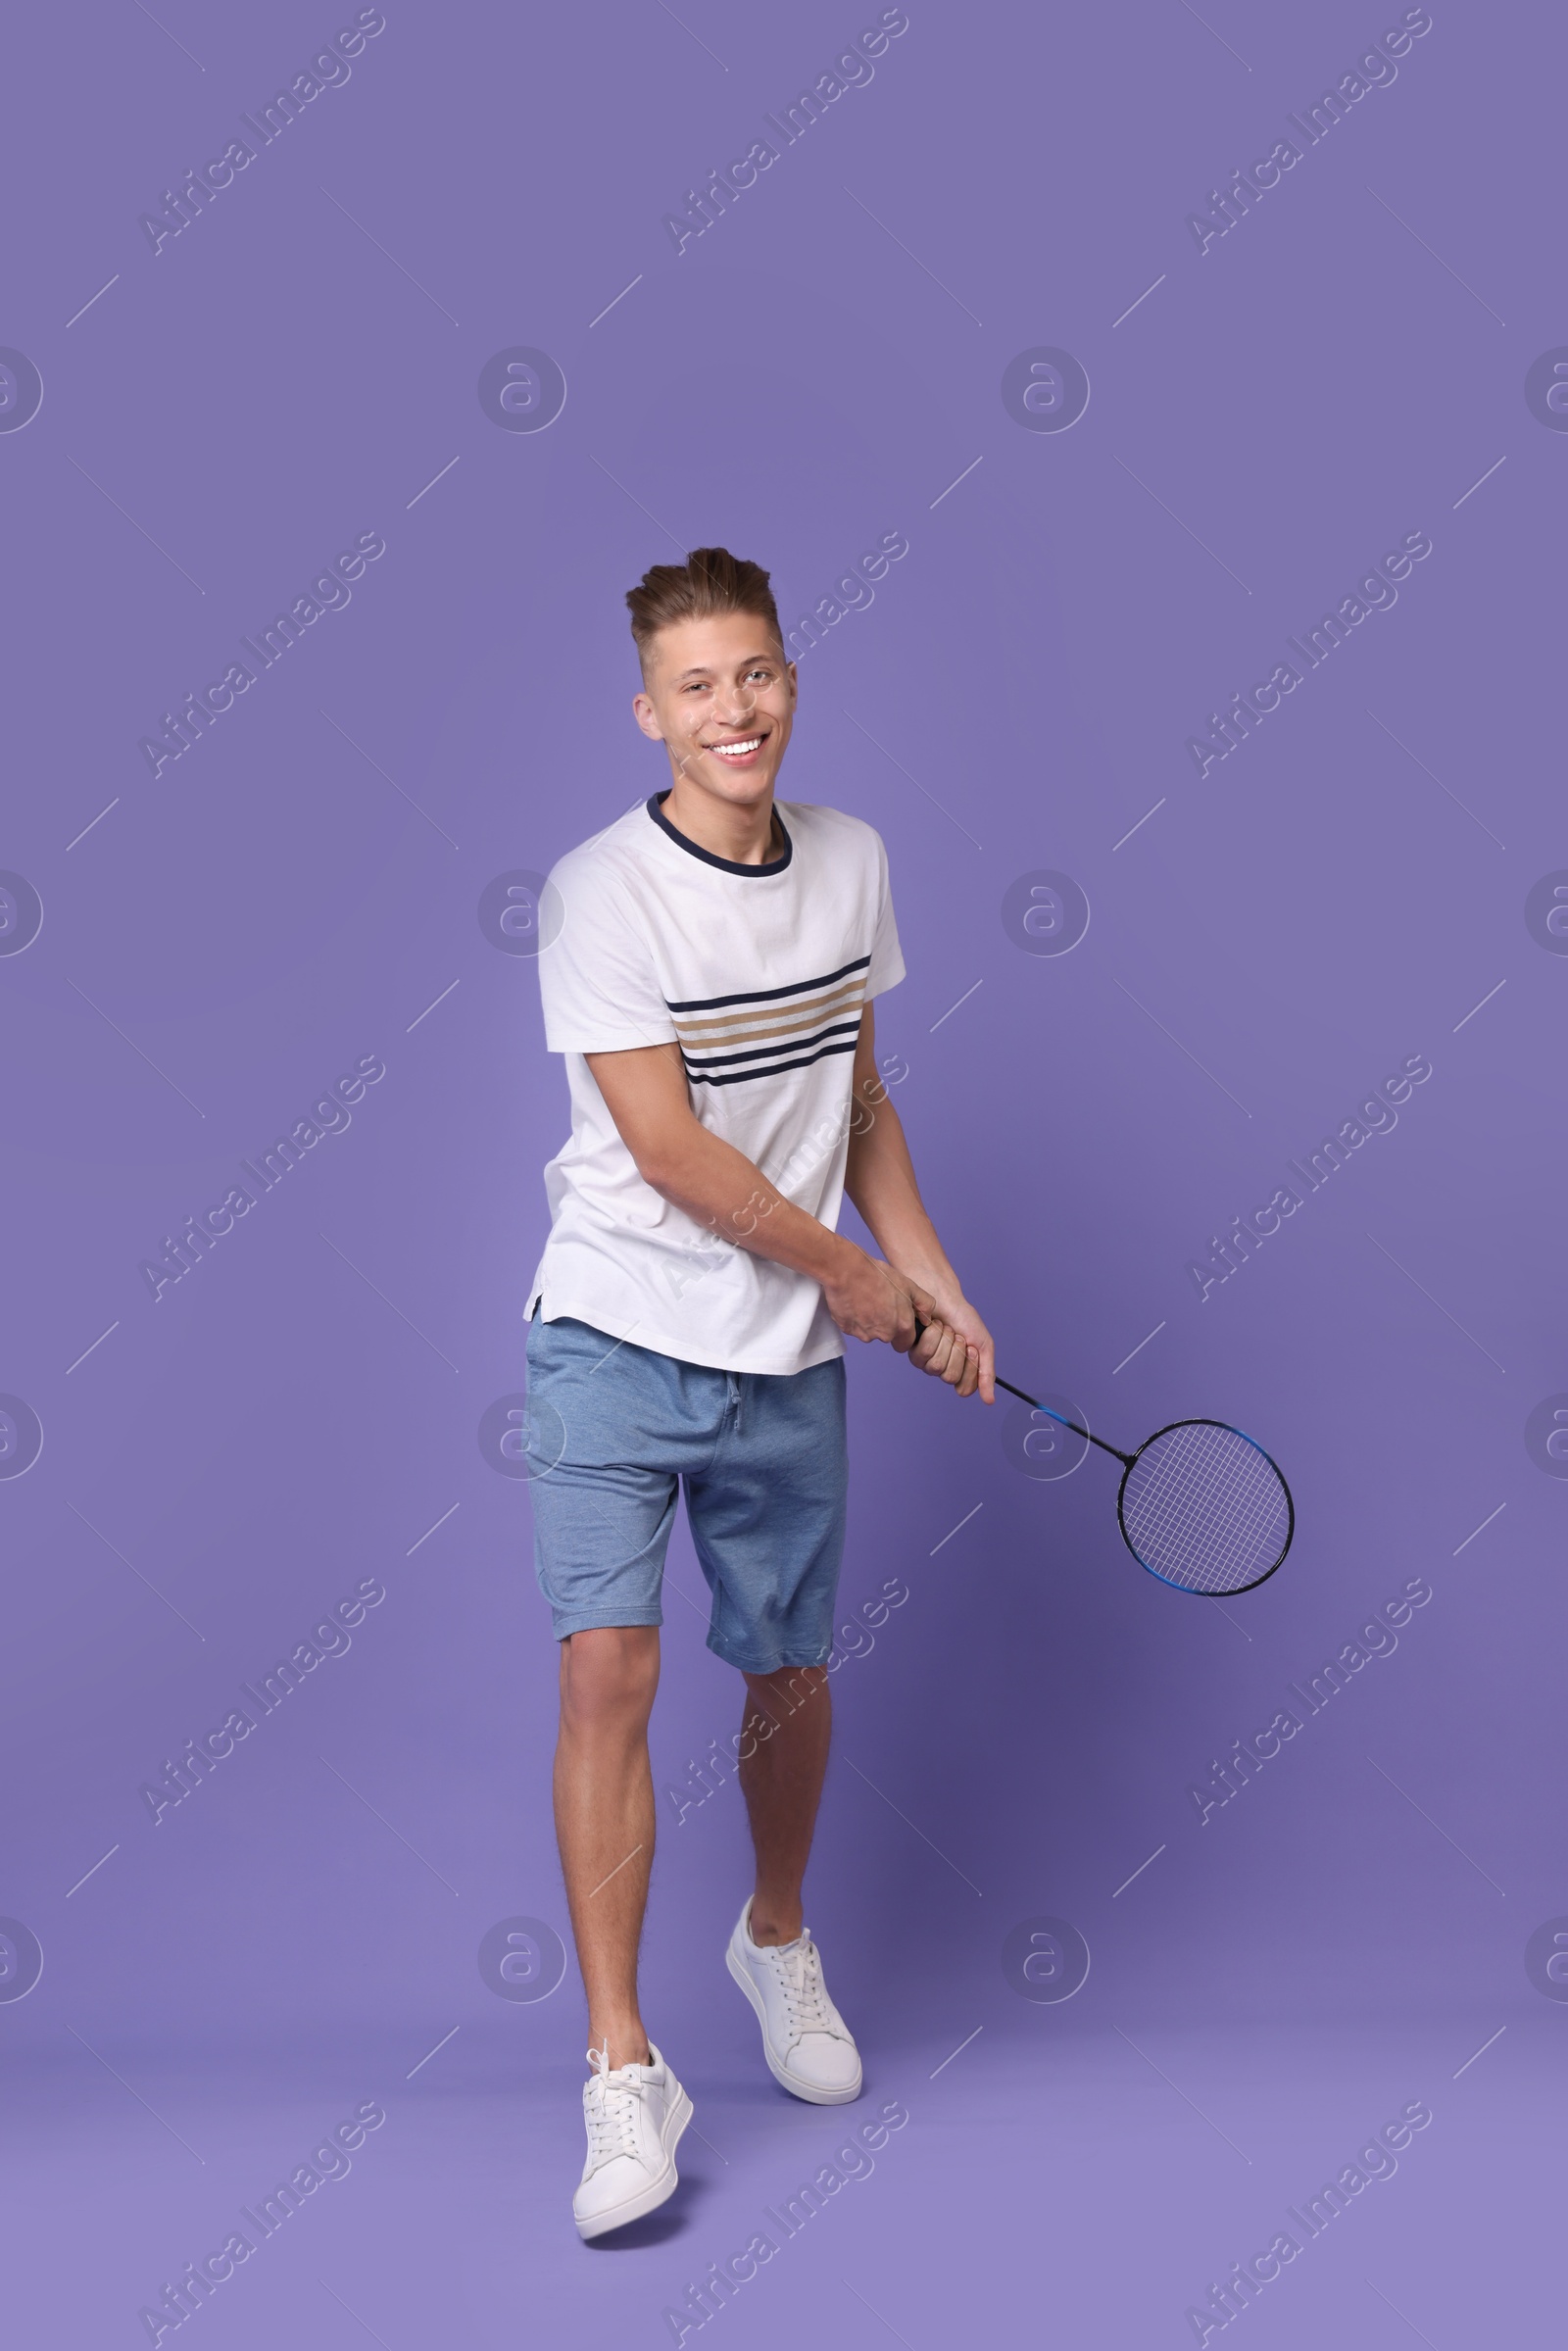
647	718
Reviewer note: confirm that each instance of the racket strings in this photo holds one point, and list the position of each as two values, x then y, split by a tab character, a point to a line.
1205	1507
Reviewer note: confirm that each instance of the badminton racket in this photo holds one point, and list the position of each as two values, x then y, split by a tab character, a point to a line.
1201	1504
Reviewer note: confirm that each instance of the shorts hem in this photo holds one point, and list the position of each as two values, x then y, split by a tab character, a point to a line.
596	1620
776	1665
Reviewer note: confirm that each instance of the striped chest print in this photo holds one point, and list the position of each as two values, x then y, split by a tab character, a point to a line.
761	1032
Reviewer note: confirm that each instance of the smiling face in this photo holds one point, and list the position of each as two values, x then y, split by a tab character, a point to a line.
719	695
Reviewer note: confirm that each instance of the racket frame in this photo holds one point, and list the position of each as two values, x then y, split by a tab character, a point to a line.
1203	1420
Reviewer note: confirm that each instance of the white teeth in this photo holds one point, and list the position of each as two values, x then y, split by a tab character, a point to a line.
736	750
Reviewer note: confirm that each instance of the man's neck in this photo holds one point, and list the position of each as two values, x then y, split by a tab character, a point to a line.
744	836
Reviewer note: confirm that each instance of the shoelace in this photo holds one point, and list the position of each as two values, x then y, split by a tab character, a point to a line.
798	1969
611	2104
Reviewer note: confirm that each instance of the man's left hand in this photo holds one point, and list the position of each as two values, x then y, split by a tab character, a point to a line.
954	1345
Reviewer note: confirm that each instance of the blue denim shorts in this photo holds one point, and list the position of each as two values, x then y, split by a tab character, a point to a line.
614	1429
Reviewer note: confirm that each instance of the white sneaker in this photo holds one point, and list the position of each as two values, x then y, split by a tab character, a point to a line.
808	2047
635	2116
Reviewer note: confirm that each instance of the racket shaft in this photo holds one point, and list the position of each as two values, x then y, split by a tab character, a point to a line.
1115	1450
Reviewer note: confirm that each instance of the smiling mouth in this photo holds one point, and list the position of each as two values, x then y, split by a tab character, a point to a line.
740	748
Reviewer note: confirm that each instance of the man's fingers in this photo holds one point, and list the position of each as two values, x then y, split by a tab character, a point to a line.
945	1354
933	1331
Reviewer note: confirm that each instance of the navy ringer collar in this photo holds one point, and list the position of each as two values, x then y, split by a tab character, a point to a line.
655	810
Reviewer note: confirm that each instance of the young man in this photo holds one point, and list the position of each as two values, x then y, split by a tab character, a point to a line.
710	985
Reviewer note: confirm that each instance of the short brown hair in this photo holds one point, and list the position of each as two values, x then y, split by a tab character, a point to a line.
711	580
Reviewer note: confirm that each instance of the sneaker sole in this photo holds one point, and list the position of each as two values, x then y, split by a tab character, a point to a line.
787	2081
648	2199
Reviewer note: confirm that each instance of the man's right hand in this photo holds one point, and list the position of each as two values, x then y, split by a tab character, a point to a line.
867	1300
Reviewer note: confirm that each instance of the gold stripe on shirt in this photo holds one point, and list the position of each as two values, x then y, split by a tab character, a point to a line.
786	1020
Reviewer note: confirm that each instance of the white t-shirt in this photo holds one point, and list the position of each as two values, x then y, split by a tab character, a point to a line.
759	973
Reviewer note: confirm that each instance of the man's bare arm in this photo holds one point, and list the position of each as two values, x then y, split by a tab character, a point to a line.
645	1094
880	1180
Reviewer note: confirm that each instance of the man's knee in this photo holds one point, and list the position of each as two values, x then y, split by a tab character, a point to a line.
608	1672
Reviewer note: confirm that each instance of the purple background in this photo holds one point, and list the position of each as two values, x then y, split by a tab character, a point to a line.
301	889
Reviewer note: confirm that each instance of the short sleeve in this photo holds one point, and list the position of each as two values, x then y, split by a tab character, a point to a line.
596	979
887	957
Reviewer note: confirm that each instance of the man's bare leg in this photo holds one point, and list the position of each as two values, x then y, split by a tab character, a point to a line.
787	1723
603	1790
